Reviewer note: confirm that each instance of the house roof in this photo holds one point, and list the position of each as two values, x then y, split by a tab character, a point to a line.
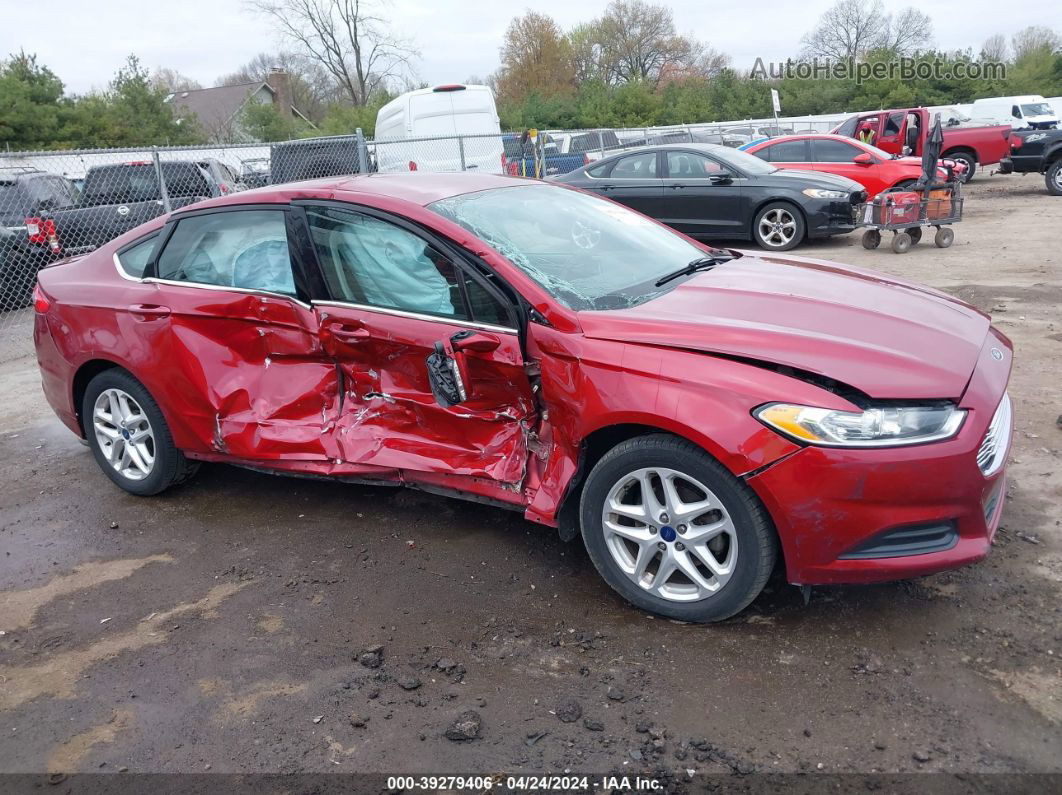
215	107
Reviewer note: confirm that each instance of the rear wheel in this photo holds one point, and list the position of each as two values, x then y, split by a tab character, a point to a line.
1053	178
675	533
129	436
871	239
944	237
915	233
778	227
967	159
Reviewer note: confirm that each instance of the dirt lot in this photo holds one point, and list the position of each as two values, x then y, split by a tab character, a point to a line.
223	626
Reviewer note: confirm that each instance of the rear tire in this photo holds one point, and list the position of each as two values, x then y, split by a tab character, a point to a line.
915	233
968	160
871	239
702	510
944	237
1053	178
129	437
901	242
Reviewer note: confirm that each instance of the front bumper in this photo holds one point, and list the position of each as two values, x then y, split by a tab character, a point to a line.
837	509
828	217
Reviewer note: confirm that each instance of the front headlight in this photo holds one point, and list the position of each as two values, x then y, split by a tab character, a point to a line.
822	193
886	426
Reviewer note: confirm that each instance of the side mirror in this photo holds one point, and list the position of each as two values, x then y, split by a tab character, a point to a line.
447	369
720	179
863	159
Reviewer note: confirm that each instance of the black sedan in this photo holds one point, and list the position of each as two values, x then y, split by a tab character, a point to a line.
714	192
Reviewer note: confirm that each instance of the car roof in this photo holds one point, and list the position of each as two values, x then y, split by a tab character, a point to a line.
804	136
415	187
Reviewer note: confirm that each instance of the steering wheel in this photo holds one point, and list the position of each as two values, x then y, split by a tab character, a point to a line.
584	235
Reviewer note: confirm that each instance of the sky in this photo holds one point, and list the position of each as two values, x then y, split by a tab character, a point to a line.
85	42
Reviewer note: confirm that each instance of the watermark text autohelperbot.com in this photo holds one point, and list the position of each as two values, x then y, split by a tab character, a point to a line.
895	69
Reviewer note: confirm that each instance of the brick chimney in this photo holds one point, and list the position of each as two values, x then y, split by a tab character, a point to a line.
280	82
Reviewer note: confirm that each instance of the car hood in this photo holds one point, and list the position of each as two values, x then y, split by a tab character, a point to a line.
887	338
813	179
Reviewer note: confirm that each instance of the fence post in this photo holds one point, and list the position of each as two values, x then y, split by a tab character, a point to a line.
363	152
461	147
601	142
165	194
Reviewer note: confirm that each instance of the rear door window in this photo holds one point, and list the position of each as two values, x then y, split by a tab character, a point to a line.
786	152
826	151
641	166
246	249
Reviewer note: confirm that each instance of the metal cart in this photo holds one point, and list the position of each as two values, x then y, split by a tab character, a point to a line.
939	206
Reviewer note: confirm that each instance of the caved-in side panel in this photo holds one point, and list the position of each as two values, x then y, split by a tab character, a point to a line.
247	373
390	417
591	384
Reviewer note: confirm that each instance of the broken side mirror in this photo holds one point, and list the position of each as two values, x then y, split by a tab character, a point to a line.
447	368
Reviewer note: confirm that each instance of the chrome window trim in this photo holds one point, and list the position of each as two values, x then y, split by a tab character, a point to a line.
383	310
121	271
225	288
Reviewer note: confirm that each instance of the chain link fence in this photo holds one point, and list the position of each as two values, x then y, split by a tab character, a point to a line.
61	204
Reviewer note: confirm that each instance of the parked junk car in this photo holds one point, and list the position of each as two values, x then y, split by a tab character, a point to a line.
520	157
904	131
1036	152
717	193
313	158
595	144
694	414
875	170
254	172
28	241
223	178
1027	112
118	197
419	131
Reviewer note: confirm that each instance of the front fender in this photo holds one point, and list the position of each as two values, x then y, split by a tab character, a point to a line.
589	385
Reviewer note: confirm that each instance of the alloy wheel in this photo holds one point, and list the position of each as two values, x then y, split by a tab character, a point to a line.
124	434
777	227
669	534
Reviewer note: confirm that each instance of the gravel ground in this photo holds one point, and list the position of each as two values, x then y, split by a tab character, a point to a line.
245	623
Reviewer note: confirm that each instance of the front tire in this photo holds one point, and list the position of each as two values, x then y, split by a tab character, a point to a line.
129	437
673	532
779	226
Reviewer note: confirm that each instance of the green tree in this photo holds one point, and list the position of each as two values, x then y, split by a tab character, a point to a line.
29	103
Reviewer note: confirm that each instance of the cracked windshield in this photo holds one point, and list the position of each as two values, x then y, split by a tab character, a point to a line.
587	252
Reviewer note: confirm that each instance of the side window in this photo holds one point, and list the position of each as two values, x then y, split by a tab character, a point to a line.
787	152
894	123
373	262
691	165
641	166
1015	111
135	258
826	151
246	249
598	171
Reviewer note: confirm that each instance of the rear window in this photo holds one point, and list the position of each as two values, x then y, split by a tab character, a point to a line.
135	258
589	142
14	203
138	182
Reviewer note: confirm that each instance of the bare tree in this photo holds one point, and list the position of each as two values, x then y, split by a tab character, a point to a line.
1033	38
171	80
535	59
636	40
852	28
995	49
347	38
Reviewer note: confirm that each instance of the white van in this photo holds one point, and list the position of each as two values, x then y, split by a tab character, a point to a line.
418	131
1030	111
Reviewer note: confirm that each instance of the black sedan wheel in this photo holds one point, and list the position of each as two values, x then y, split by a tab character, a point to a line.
778	227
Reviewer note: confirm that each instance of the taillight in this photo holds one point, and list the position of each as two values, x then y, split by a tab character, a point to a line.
505	164
40	303
1016	142
42	232
224	188
412	165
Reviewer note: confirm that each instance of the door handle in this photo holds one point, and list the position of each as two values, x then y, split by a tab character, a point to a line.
145	312
607	187
676	187
350	334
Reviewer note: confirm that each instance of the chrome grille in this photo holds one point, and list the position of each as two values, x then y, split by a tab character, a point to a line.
993	450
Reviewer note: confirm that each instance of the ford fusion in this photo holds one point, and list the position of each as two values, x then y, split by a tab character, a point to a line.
695	415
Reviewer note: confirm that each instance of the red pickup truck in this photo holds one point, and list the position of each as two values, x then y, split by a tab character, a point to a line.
895	131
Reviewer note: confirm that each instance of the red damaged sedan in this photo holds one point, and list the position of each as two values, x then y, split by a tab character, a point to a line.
694	414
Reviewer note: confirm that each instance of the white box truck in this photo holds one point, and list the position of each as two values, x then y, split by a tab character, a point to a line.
419	131
1026	112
